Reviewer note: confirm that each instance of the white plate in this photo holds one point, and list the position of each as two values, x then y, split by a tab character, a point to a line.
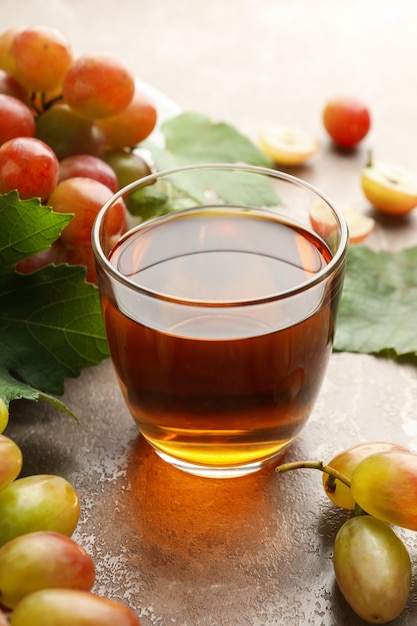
165	106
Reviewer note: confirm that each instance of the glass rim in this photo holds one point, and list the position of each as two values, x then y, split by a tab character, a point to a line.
336	261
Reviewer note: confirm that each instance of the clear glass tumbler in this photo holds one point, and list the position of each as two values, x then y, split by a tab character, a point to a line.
219	303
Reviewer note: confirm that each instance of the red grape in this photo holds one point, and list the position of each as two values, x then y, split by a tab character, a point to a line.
28	165
42	560
16	119
132	125
85	197
42	57
11	87
98	85
88	166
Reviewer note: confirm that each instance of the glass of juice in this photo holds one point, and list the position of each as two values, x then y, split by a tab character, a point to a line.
219	303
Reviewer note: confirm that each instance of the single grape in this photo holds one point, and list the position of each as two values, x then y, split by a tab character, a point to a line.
385	486
42	56
7	61
11	459
67	607
16	119
132	125
4	415
346	462
372	569
88	166
42	560
10	87
82	255
85	197
28	165
129	166
53	254
68	133
39	502
98	85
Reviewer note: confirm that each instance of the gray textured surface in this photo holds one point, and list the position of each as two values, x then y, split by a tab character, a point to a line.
253	551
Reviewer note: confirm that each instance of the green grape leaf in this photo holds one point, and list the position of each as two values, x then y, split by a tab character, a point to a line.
27	228
378	309
50	320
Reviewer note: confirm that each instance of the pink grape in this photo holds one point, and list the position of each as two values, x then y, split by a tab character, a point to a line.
65	607
39	502
42	560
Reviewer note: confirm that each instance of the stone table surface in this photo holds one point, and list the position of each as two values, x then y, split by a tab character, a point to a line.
253	551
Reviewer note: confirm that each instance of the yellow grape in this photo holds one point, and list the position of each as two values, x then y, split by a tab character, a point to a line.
7	61
385	486
39	502
346	462
98	85
65	607
4	415
42	560
42	56
11	460
372	569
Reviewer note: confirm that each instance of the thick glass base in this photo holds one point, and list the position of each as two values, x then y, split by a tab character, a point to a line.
219	472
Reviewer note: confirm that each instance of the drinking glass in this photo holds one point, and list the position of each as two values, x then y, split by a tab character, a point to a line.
219	304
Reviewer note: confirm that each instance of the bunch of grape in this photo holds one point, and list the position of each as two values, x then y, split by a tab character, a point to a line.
67	128
46	578
378	481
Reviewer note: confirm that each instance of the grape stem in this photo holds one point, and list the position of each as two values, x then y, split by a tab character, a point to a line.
318	465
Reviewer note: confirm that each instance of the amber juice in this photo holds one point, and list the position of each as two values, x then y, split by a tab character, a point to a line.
219	360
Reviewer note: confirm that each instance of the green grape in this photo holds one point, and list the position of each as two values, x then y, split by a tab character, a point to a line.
39	502
4	415
42	560
129	166
16	119
346	462
372	569
68	133
28	165
385	486
42	56
98	85
11	460
65	607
